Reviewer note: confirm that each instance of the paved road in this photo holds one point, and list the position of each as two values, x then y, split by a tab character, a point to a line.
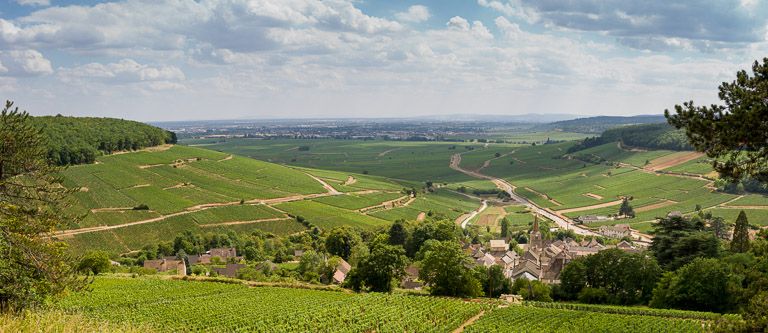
562	222
473	214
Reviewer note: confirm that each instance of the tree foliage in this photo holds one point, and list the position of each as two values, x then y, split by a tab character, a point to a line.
625	278
740	241
79	140
626	209
734	134
381	269
341	241
445	269
33	267
678	240
702	284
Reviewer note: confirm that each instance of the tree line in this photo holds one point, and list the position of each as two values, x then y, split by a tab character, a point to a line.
79	140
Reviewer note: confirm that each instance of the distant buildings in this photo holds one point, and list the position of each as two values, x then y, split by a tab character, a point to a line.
615	231
542	260
342	269
167	264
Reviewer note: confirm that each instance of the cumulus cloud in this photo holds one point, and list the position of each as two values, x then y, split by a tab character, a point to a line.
34	2
123	71
651	24
24	63
416	13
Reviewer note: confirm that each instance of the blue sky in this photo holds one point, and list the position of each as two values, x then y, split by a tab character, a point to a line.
226	59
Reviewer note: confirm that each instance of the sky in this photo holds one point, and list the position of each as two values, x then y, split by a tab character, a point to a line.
156	60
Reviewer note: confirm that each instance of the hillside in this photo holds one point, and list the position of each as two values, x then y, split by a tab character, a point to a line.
79	140
646	136
128	200
599	124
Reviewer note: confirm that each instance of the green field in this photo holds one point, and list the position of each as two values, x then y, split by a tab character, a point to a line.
177	305
205	306
532	319
188	188
594	176
412	161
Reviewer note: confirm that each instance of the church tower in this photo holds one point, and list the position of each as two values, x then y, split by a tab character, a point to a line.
535	239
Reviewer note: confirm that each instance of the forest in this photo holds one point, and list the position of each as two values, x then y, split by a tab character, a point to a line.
652	136
79	140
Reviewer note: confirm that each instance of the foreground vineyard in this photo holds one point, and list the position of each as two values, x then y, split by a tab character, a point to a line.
531	319
198	306
175	305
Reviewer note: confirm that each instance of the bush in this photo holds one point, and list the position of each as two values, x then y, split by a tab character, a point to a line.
141	207
593	296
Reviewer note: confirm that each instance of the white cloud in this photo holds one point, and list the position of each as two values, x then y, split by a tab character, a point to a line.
24	63
123	71
34	2
458	22
416	13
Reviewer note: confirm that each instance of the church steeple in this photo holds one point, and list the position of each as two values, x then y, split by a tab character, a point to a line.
536	234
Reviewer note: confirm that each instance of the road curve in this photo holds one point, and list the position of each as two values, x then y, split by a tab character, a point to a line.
562	222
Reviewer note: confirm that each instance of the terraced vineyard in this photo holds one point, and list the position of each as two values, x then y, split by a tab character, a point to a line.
659	181
204	306
187	188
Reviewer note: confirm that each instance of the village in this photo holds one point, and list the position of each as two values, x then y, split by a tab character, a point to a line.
540	259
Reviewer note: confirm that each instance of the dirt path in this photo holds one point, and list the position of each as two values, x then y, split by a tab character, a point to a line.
488	162
111	209
384	153
226	158
469	322
244	222
474	213
327	186
544	196
598	206
386	204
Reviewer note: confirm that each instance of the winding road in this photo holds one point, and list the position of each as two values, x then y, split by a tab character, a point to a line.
561	221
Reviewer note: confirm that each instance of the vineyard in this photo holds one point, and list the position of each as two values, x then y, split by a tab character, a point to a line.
206	306
533	319
178	305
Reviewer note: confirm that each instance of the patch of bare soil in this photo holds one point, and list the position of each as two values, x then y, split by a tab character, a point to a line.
421	216
671	160
593	196
579	209
657	205
351	180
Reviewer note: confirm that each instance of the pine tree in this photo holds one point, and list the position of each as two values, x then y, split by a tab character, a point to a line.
626	208
504	227
740	242
33	267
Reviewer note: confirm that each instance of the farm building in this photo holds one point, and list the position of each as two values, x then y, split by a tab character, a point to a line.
615	231
229	271
164	265
499	245
342	269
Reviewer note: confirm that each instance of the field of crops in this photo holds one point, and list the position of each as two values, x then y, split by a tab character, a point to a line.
207	306
177	305
179	184
533	319
413	161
